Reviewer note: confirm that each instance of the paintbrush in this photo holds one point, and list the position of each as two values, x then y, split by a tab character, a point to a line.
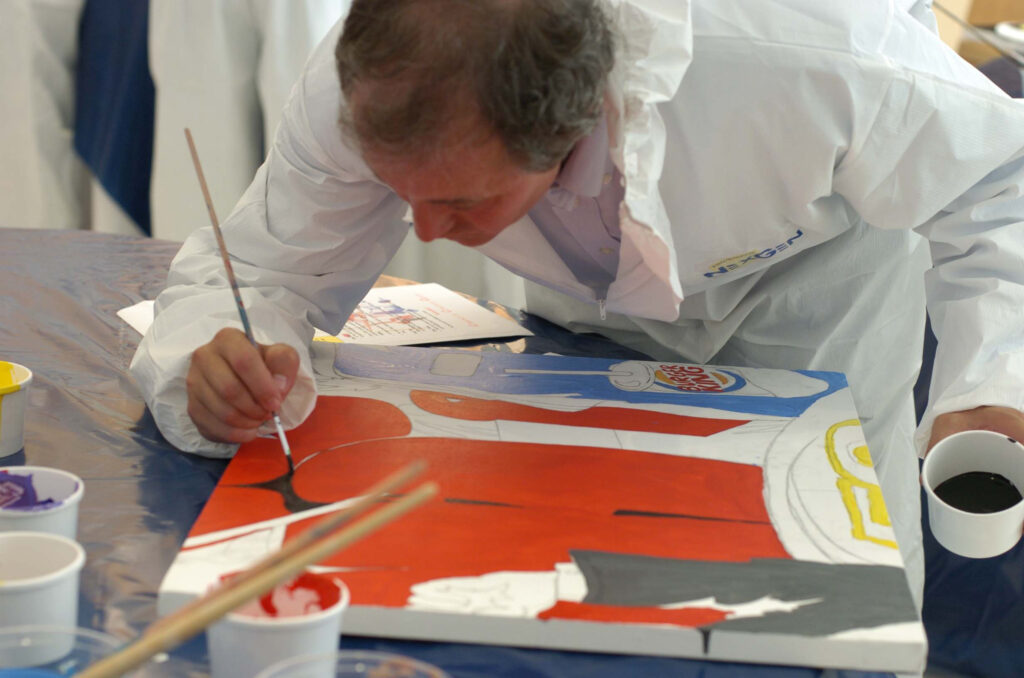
231	280
383	489
262	577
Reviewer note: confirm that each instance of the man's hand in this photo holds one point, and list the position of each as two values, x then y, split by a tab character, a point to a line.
1005	420
233	386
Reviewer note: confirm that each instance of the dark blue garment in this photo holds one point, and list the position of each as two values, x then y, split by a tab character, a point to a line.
1007	75
114	102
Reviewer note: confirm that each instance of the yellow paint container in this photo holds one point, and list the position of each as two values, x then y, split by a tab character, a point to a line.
14	382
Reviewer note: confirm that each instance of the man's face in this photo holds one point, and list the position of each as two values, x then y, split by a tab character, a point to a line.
468	194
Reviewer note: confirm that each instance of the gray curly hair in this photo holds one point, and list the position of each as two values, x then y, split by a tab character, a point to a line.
533	71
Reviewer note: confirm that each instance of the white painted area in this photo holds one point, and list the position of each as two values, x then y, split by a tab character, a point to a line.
802	495
275	523
526	432
195	570
570	584
502	594
753	608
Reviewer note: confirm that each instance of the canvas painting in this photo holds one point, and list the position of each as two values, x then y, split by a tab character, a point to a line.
586	504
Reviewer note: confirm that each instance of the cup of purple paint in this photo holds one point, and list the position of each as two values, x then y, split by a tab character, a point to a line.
14	382
39	499
973	481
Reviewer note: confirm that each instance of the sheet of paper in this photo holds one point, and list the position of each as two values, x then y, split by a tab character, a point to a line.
139	316
404	315
421	314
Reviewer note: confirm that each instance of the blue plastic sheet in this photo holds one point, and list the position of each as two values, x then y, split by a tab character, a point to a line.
974	610
61	292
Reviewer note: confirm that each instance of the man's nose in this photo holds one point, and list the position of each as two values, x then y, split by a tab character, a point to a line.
431	221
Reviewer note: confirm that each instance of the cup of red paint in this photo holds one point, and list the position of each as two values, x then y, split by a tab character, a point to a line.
14	382
39	499
974	482
301	617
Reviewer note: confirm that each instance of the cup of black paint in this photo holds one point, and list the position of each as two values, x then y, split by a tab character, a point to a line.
974	482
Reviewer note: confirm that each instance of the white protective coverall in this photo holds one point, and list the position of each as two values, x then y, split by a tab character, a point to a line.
782	162
222	68
43	183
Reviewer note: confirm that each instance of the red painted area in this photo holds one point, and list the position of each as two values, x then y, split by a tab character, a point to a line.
594	479
616	418
504	506
335	421
234	506
442	540
692	616
308	593
556	498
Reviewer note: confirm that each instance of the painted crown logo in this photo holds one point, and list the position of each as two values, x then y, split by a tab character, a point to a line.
694	378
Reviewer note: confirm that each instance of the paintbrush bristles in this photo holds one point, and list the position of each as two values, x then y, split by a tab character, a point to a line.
284	442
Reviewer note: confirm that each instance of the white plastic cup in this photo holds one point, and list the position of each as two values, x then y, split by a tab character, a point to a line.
39	584
354	664
14	382
240	645
55	508
974	535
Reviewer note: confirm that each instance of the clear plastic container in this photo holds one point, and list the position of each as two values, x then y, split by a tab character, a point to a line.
353	664
45	651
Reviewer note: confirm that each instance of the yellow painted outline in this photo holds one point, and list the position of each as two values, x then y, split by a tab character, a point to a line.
848	482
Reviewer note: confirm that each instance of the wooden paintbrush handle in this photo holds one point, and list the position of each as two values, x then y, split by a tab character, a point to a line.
178	627
326	525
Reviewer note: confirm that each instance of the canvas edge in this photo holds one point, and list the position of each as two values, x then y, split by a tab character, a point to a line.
907	656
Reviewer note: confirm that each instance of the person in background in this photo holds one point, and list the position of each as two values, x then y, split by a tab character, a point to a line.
775	184
222	68
43	183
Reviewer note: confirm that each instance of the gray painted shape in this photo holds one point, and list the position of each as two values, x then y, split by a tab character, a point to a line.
853	596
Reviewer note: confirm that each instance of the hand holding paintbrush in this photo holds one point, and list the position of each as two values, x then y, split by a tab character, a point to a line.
229	388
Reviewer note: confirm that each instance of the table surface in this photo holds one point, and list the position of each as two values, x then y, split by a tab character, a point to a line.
60	294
